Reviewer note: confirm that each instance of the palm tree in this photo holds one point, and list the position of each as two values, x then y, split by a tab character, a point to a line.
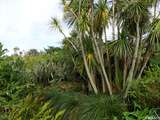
122	50
152	43
81	30
135	11
155	2
113	19
82	22
55	24
101	21
98	49
101	16
90	19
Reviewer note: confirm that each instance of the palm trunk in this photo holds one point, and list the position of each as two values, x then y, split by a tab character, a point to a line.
89	86
90	76
130	75
72	44
108	59
98	51
116	65
113	38
155	8
85	60
137	66
118	30
103	84
113	24
124	70
105	35
146	59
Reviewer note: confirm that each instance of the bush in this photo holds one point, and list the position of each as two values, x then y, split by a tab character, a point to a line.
139	115
11	70
146	91
13	83
45	72
54	105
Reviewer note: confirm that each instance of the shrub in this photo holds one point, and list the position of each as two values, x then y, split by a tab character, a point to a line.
45	72
54	105
146	90
139	115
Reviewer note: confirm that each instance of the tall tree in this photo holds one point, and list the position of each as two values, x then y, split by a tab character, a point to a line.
135	11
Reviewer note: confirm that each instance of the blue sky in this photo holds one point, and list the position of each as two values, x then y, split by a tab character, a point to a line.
25	23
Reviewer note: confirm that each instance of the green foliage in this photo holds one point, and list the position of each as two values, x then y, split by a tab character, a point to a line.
32	52
155	60
146	90
14	83
27	82
56	105
11	70
51	49
138	115
45	72
2	51
101	107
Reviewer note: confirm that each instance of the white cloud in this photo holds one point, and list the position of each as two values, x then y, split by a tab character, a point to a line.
25	23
